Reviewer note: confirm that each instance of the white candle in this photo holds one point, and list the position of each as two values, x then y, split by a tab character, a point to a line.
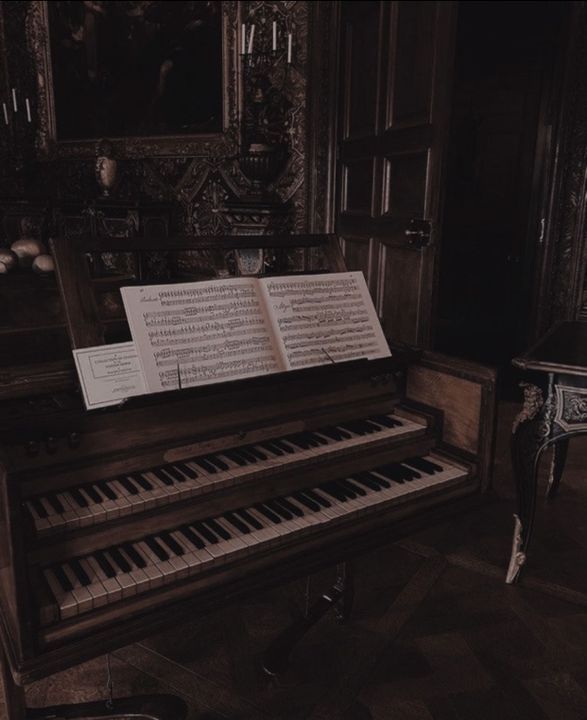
28	110
14	105
274	36
289	48
243	36
251	36
5	113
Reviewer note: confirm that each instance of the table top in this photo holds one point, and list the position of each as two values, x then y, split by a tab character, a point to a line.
563	349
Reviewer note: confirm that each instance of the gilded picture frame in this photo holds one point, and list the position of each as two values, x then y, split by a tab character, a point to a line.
221	140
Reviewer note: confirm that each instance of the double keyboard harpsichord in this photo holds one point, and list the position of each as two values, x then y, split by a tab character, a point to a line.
116	523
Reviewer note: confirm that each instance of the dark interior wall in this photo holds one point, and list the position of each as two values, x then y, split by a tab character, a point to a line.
505	64
197	185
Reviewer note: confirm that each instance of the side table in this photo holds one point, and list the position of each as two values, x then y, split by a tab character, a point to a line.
554	409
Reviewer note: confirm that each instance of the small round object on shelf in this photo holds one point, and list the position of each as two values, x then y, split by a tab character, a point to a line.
3	269
27	250
8	258
43	264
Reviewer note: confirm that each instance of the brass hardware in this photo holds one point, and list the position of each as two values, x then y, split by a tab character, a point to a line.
418	233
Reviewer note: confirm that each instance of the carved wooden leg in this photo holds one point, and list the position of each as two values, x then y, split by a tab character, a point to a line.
531	430
559	458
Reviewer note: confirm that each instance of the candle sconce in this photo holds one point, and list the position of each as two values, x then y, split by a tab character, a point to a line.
266	57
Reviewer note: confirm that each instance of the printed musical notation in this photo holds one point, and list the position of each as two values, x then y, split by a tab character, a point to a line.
325	318
198	333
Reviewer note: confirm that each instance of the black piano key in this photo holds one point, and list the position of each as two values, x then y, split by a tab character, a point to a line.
79	572
245	453
346	488
279	510
174	472
370	479
411	474
218	529
289	507
104	564
323	502
268	513
283	446
116	555
352	426
205	465
235	458
218	462
237	523
172	544
55	503
336	492
128	485
317	439
78	497
426	466
107	490
256	452
93	495
273	448
134	555
156	548
161	475
366	482
333	433
205	532
247	517
187	470
391	472
192	537
62	578
386	421
354	487
306	502
405	473
141	480
372	426
38	505
298	441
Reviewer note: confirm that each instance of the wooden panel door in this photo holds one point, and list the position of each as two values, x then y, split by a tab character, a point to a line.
395	75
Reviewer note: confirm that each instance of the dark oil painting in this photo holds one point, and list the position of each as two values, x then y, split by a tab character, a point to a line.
127	69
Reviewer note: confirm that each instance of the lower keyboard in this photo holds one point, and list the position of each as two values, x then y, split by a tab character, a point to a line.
114	573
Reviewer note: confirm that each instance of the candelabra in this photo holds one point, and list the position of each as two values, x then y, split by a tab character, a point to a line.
266	52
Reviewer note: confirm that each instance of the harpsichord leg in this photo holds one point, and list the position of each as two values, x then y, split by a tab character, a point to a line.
339	597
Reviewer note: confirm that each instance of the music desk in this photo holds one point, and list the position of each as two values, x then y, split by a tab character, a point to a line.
554	409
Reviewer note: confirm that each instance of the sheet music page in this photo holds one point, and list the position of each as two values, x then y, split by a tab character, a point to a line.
208	332
321	319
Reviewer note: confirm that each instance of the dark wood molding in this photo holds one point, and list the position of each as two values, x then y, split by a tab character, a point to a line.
561	276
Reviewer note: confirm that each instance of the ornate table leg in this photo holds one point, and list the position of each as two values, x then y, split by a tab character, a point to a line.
530	434
559	458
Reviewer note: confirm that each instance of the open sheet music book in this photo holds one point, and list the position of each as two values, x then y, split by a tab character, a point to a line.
205	332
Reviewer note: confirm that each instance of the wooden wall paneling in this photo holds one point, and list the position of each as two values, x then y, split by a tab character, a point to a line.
393	124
